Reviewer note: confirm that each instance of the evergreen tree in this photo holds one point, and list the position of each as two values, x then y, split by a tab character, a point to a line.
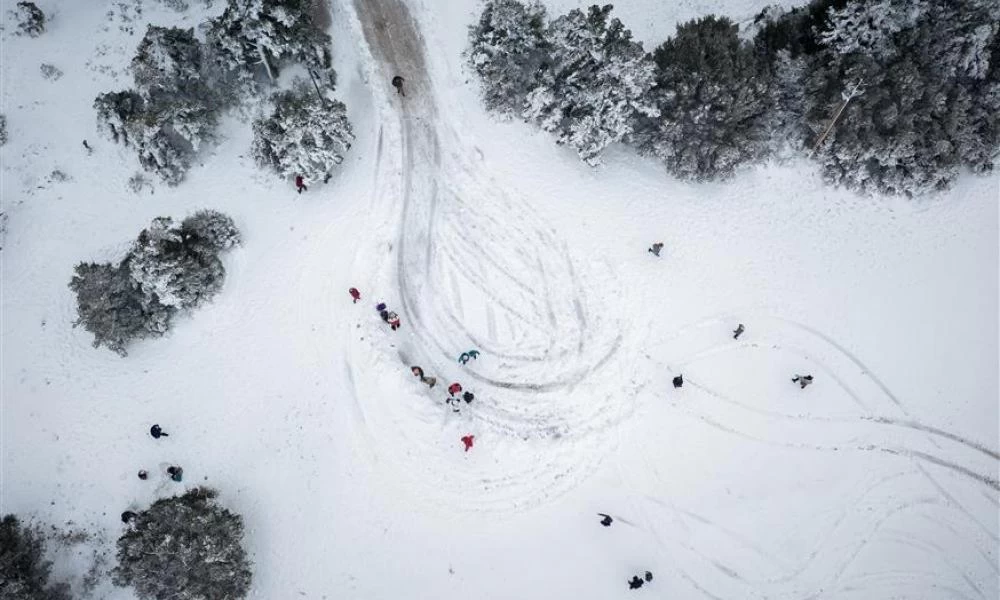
596	85
209	232
184	548
30	19
714	99
171	112
304	134
268	33
507	49
24	572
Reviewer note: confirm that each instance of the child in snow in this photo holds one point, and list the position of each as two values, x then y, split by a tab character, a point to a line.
655	248
803	380
355	294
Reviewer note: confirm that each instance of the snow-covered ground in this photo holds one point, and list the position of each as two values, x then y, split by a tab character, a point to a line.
878	481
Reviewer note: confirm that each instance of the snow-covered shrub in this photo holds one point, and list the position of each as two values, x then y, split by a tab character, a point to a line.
929	93
172	111
167	269
209	232
50	71
30	19
596	85
713	99
266	33
507	49
111	306
24	572
184	548
304	134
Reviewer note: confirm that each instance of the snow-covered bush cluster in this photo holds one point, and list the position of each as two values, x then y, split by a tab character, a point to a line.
182	85
304	135
922	78
185	548
167	270
30	19
24	572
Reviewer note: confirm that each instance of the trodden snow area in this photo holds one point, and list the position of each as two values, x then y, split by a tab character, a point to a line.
879	480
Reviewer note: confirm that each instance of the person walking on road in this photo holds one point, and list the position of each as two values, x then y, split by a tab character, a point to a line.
397	82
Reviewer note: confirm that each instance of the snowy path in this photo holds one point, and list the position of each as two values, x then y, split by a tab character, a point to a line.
476	268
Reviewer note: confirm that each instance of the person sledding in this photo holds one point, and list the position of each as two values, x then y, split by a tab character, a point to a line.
300	184
802	380
471	354
355	294
418	372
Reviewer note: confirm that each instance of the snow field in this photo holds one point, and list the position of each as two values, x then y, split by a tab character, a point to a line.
299	406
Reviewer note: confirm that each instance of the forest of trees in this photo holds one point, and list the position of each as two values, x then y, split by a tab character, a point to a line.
888	96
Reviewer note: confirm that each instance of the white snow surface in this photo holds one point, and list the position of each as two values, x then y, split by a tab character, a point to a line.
878	481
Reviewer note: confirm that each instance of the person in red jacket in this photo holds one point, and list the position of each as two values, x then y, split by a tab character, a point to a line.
467	440
355	294
454	388
300	184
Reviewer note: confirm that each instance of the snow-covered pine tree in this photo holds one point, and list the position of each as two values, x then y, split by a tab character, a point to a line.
507	50
931	94
172	111
713	99
110	306
3	129
267	33
174	269
30	19
209	232
184	548
24	572
304	135
597	83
